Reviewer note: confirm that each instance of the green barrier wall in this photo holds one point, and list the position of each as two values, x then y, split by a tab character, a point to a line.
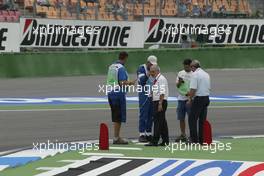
96	62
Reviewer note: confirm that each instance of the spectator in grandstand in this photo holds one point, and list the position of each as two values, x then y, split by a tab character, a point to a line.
163	4
83	9
142	1
259	14
117	80
7	5
188	1
200	87
90	1
229	2
209	10
59	4
43	3
109	6
183	86
204	11
4	6
160	93
145	99
196	11
71	8
222	9
182	9
119	9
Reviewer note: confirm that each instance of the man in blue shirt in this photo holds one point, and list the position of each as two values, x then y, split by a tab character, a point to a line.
117	79
145	100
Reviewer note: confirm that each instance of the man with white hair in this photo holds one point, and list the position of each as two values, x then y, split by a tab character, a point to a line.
145	100
160	93
200	88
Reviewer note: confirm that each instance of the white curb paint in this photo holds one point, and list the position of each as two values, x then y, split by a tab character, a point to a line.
106	168
68	161
148	166
46	168
103	154
98	109
65	168
35	153
2	167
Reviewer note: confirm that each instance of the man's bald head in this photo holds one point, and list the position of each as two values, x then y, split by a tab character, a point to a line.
155	67
154	70
195	64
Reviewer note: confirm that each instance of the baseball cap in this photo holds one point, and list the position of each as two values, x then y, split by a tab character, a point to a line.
152	59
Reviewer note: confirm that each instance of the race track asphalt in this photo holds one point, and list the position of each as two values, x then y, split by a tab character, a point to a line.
21	129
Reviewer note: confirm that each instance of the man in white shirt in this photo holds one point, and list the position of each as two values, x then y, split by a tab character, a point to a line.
183	86
160	93
200	88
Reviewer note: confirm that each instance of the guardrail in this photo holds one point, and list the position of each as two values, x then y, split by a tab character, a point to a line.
97	62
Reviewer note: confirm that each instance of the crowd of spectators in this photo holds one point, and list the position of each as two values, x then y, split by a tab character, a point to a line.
117	7
9	11
187	8
133	9
7	5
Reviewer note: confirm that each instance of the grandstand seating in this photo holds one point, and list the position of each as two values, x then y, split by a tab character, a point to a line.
119	9
9	15
8	12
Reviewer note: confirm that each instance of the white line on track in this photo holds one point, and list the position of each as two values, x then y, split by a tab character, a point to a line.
125	148
97	109
46	168
243	136
68	161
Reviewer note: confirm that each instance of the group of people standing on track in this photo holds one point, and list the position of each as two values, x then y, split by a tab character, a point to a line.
193	85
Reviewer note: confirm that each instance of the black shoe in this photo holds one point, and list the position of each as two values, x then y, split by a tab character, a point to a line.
151	144
181	138
142	138
163	144
149	138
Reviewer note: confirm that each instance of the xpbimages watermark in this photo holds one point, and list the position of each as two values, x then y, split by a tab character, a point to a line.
64	146
67	30
196	30
147	89
212	148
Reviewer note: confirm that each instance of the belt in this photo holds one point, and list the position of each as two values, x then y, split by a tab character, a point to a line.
158	100
201	96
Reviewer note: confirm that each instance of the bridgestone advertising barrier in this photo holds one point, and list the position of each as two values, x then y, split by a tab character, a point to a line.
54	33
81	34
9	37
209	31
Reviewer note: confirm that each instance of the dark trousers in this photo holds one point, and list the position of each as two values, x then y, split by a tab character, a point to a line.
198	113
160	123
145	113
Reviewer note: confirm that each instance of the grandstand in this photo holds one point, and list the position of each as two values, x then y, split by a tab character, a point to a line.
134	10
121	9
9	11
